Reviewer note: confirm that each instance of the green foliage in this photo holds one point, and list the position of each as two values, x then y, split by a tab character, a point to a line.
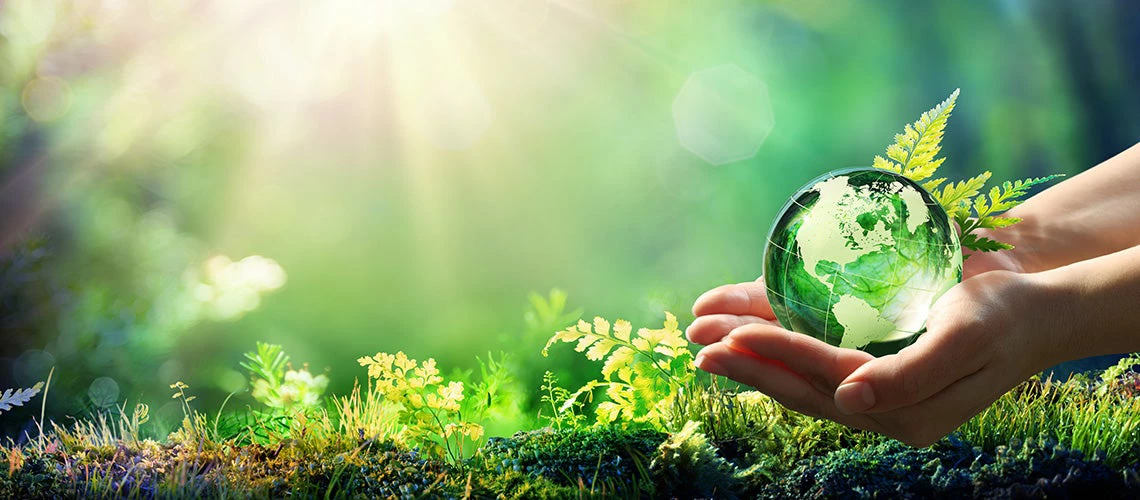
565	412
914	151
194	428
955	197
252	426
365	412
278	386
18	397
985	210
914	155
496	397
1112	376
754	431
549	313
105	429
1086	419
1082	432
430	409
643	373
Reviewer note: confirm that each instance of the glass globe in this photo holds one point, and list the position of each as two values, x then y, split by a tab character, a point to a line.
859	256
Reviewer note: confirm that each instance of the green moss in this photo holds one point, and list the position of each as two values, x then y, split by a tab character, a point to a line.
612	458
955	469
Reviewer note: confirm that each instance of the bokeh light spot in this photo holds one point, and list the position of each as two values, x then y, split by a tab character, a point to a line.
231	289
46	99
104	392
723	114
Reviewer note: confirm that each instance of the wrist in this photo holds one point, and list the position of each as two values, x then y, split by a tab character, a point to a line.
1053	308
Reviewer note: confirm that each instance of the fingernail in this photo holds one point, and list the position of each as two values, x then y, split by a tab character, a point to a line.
712	367
854	397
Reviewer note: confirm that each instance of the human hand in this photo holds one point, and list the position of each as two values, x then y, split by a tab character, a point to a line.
984	336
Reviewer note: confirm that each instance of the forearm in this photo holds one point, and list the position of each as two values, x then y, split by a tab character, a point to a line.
1094	213
1098	301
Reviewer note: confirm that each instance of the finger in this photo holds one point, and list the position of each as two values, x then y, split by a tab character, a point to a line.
767	376
917	372
822	364
780	383
708	329
741	299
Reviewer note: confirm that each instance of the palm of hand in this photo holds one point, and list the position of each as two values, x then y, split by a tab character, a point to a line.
973	352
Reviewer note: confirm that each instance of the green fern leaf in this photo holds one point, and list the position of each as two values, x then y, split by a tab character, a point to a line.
996	222
933	184
1010	193
982	244
884	164
955	197
600	349
585	342
621	358
914	151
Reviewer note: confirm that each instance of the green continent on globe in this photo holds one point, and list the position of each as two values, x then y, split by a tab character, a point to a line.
859	256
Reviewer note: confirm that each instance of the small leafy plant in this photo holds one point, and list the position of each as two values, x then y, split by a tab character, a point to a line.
643	373
276	385
914	155
565	412
430	408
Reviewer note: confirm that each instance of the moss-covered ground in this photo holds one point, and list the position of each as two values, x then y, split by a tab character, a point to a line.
649	426
782	456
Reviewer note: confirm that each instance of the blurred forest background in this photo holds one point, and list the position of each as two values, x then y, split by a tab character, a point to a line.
181	178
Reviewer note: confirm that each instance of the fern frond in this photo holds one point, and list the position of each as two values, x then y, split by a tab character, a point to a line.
933	184
997	222
884	164
18	397
914	156
983	244
955	197
1010	193
644	373
987	208
914	151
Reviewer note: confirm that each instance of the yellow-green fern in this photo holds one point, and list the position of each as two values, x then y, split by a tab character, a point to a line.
914	155
914	151
643	372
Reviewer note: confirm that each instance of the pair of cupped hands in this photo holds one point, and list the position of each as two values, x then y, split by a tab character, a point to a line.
984	336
